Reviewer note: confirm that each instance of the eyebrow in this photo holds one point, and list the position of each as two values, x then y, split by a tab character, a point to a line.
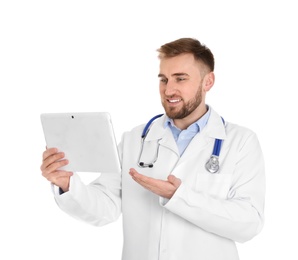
173	75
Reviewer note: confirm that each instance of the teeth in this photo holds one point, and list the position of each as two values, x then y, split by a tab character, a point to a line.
174	100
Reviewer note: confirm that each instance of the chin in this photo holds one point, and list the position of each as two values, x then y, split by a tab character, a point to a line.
174	114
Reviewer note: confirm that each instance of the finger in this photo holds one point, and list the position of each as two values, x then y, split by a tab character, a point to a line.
143	179
48	152
174	180
146	185
137	176
139	179
51	159
133	172
53	167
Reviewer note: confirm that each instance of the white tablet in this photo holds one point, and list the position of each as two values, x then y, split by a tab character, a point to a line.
87	139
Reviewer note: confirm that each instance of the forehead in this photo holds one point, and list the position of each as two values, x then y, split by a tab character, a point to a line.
183	63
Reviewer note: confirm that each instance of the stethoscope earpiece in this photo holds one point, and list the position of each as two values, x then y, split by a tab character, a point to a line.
145	165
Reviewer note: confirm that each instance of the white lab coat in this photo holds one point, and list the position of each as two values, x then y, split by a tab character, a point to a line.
207	213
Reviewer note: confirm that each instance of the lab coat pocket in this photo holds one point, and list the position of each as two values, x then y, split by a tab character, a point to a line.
215	185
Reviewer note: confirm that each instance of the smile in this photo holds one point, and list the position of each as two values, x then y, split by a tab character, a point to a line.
174	100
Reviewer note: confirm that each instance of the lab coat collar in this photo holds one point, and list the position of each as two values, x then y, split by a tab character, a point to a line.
215	128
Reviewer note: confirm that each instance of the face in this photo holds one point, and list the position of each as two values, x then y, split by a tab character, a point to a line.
182	86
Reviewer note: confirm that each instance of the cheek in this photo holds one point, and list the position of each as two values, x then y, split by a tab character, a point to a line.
189	92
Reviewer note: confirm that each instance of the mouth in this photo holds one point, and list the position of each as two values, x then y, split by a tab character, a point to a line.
174	101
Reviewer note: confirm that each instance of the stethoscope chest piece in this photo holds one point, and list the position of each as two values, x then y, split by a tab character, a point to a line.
212	165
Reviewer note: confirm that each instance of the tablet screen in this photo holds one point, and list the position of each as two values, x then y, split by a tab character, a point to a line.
86	138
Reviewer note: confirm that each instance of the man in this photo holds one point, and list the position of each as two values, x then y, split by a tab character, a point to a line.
177	208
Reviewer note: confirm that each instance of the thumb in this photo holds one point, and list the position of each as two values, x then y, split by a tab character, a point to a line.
175	181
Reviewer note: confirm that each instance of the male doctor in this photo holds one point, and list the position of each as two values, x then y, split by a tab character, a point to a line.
177	208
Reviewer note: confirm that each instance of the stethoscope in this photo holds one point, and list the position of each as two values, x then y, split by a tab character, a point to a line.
212	165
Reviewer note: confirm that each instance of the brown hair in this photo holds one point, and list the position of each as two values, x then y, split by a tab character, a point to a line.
188	45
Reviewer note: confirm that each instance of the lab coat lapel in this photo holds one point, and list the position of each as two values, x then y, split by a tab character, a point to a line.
163	135
204	139
215	127
197	144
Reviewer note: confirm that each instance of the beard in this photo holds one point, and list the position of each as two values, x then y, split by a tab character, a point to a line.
187	109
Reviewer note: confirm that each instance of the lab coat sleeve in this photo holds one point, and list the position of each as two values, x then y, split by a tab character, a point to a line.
98	203
239	216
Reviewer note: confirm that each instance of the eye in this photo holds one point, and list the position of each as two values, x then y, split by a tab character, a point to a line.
163	80
180	79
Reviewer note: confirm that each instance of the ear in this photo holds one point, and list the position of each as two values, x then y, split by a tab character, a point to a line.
208	81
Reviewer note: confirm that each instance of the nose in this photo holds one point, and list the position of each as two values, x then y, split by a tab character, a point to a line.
170	89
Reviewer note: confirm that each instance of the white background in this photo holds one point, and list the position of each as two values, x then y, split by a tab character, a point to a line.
59	56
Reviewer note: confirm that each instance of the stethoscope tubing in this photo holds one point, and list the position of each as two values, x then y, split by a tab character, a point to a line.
217	147
146	128
212	164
